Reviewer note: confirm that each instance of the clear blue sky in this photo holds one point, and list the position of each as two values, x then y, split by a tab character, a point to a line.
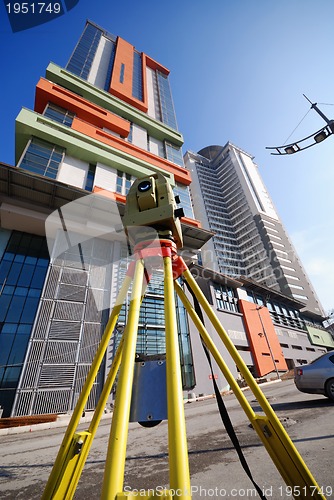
238	72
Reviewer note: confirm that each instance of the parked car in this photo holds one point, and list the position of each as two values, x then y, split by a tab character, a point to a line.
317	377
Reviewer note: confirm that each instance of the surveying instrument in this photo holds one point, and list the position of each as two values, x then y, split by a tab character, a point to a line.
151	204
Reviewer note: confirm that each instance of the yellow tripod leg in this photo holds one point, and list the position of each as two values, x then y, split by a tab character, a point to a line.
56	476
272	433
115	461
215	353
177	440
82	441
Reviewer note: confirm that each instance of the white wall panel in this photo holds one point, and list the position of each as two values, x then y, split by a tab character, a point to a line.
152	95
73	171
139	136
157	147
98	72
105	177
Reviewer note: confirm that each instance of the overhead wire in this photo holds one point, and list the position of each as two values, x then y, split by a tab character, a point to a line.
286	140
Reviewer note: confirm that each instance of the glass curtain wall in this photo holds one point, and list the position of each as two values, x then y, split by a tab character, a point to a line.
23	269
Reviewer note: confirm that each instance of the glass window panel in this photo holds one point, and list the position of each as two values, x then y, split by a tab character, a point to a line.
4	268
6	342
11	377
15	308
9	328
38	277
9	256
43	262
30	260
29	311
26	275
4	304
18	351
19	258
14	273
22	328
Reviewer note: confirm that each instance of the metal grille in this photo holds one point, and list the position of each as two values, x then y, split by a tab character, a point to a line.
81	376
93	300
74	277
43	319
89	343
64	330
68	331
31	369
24	404
68	310
56	375
61	352
52	401
52	282
71	292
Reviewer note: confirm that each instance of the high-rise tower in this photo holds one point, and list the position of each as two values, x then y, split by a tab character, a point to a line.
229	197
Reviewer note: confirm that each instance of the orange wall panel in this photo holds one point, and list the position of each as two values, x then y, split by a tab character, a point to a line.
261	331
85	110
123	89
181	174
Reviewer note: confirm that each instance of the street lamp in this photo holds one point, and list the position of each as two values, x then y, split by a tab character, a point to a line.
310	140
264	333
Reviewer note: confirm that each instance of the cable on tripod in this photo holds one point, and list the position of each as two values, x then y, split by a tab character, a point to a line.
222	408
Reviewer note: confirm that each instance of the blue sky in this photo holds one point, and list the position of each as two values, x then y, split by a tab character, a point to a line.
238	72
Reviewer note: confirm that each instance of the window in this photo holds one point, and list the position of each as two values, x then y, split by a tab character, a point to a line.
123	182
42	158
110	65
121	73
90	177
185	202
137	76
166	102
225	297
119	182
129	138
174	154
151	328
59	114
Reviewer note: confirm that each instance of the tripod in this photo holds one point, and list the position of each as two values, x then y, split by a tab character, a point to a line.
75	447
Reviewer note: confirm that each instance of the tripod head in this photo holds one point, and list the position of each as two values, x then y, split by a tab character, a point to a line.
151	203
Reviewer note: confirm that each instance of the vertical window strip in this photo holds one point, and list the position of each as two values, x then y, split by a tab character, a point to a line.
174	154
110	66
166	101
23	269
90	177
121	74
81	60
137	78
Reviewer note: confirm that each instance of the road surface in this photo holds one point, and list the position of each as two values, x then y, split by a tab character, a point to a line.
26	459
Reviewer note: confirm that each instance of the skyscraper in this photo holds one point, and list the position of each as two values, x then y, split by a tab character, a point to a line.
229	197
104	120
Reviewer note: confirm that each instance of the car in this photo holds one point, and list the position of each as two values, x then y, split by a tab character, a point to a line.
317	377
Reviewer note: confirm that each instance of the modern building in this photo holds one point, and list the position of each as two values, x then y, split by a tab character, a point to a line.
229	198
98	124
104	120
271	331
